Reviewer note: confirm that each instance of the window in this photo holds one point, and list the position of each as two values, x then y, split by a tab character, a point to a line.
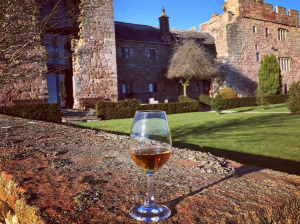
126	87
284	64
256	47
123	88
257	56
151	53
282	34
125	52
254	29
198	87
152	87
285	89
267	32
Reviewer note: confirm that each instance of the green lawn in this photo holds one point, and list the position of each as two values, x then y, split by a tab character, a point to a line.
261	139
271	108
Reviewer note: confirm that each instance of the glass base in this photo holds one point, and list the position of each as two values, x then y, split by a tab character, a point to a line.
153	214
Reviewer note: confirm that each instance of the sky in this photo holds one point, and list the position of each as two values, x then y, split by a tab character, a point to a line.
184	14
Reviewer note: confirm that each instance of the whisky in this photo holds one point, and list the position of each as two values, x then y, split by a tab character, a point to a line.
151	159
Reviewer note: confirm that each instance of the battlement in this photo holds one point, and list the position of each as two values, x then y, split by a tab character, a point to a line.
257	9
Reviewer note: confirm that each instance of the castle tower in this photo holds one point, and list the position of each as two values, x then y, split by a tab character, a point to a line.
94	57
245	32
164	27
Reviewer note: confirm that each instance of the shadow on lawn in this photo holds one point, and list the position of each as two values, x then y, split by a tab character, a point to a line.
231	127
208	129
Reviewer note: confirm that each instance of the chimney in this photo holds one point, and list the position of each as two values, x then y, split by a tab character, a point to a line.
164	27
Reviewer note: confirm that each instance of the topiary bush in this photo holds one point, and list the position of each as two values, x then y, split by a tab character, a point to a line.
38	111
228	93
218	103
293	102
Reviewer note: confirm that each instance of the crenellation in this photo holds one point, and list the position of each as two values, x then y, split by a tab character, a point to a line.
280	10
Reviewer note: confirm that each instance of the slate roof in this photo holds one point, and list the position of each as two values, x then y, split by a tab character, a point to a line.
136	32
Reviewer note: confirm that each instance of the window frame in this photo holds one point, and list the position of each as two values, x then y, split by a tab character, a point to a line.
282	34
151	53
267	34
284	64
125	52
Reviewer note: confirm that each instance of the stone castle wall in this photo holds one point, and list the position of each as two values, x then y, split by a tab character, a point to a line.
138	71
94	58
26	79
238	45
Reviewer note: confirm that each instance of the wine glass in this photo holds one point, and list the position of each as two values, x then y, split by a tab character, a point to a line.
150	148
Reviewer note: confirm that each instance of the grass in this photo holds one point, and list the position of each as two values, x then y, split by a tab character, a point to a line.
271	108
260	139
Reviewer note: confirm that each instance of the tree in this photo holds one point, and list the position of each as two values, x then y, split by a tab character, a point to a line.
218	103
269	79
23	25
293	102
190	60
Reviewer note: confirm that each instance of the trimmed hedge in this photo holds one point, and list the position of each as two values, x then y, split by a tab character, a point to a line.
183	98
244	101
127	108
173	108
117	110
38	111
205	99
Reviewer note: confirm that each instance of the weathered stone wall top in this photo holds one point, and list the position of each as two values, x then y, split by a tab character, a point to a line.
263	11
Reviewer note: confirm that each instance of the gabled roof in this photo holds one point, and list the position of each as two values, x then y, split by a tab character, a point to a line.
144	33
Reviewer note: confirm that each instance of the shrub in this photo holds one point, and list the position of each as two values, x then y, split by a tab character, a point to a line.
127	108
293	102
205	99
218	103
183	98
38	111
114	110
228	93
173	108
244	101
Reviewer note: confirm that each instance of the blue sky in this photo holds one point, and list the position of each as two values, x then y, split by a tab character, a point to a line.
184	14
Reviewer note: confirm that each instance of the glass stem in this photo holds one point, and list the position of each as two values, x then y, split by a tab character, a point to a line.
149	203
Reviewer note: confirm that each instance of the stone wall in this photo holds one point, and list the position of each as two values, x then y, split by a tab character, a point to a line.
238	45
138	71
94	58
26	80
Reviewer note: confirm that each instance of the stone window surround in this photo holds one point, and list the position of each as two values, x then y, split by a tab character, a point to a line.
153	56
284	63
267	34
282	34
126	87
130	53
152	87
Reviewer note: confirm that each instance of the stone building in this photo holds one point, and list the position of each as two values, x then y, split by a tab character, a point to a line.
100	58
245	32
